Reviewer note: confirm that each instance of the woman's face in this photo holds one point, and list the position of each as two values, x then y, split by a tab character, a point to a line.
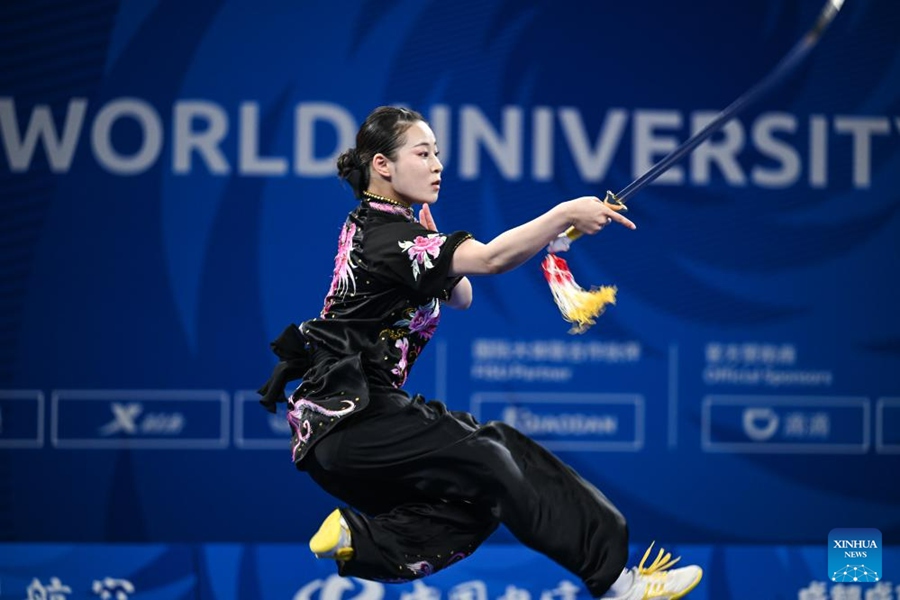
416	172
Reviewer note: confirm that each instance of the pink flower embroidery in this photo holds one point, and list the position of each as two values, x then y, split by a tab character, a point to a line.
424	320
400	369
422	249
342	279
394	210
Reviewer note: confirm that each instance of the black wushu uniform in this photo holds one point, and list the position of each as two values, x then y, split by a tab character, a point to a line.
425	485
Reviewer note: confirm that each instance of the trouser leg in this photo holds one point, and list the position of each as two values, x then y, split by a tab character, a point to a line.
415	540
552	509
424	451
399	534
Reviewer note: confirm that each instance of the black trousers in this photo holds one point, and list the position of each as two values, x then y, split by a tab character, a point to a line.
427	486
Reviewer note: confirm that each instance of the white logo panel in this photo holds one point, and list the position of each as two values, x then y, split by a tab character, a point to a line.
146	419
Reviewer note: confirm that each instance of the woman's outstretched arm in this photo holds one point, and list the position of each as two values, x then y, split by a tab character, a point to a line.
515	246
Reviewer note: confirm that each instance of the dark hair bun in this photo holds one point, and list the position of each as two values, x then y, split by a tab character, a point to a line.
348	162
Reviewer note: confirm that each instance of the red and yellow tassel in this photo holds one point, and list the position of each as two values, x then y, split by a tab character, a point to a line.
578	306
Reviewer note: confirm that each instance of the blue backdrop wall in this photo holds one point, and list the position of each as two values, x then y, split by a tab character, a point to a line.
169	204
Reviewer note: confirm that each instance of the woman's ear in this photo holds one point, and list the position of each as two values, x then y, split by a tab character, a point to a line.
381	165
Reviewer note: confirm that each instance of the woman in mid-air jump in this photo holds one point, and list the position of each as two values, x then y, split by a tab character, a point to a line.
425	486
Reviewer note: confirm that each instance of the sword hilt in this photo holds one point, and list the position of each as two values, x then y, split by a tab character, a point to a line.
614	203
565	239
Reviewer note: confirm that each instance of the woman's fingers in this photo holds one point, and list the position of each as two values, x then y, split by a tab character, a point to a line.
426	219
621	219
596	214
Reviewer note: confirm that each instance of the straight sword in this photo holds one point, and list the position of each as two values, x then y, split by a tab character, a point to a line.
794	57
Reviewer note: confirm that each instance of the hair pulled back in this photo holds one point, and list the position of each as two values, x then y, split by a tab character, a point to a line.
382	133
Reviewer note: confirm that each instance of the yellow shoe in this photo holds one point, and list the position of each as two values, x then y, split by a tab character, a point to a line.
333	538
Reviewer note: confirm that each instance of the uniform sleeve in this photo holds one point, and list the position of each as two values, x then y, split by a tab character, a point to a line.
414	257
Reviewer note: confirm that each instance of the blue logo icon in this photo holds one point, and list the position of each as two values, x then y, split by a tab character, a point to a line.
854	555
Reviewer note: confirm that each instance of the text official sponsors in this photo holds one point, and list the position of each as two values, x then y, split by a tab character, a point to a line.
887	425
21	419
149	419
760	364
255	428
786	424
569	422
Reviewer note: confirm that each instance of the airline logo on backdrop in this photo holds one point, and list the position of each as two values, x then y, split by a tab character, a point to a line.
854	555
521	142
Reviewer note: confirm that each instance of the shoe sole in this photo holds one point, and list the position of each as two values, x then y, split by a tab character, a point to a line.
690	587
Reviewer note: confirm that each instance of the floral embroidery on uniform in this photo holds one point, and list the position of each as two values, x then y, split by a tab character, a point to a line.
400	369
422	249
423	568
343	278
457	557
299	421
424	320
394	210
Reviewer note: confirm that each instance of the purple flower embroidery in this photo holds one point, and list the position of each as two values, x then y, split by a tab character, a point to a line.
342	279
422	249
423	568
400	369
424	320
